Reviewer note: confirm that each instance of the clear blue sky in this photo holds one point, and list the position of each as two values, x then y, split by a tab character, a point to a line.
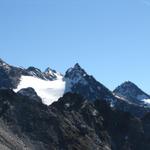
109	38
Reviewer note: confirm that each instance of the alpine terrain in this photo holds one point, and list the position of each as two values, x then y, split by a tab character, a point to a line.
46	110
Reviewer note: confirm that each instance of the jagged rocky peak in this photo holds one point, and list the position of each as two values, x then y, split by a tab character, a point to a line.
48	74
78	81
131	91
31	68
74	76
49	70
33	71
51	73
75	71
77	66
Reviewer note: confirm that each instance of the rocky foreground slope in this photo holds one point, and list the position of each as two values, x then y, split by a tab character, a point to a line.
71	123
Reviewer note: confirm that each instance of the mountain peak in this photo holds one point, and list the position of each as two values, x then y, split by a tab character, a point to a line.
48	70
52	74
75	71
128	84
131	91
80	82
77	66
126	87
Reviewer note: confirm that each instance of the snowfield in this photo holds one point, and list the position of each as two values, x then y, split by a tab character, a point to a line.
49	91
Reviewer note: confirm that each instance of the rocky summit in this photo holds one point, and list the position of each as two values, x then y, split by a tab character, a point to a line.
46	110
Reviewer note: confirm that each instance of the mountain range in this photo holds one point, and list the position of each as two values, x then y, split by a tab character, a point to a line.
50	85
51	111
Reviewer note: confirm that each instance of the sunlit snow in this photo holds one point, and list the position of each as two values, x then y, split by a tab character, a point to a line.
146	101
49	91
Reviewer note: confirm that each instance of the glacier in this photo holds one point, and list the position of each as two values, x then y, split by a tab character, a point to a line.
49	91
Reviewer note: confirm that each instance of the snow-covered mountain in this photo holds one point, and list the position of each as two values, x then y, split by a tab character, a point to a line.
132	93
50	85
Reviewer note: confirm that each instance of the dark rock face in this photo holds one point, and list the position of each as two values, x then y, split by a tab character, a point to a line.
134	109
78	81
126	131
50	74
32	71
9	75
133	98
30	93
131	92
146	128
55	128
72	123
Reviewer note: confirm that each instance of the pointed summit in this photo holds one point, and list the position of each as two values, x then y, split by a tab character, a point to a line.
75	71
78	81
131	92
127	87
77	66
48	69
129	83
52	74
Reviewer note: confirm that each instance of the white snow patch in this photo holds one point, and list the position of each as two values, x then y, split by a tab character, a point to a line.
95	112
119	97
112	105
146	101
67	105
49	91
84	74
144	98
